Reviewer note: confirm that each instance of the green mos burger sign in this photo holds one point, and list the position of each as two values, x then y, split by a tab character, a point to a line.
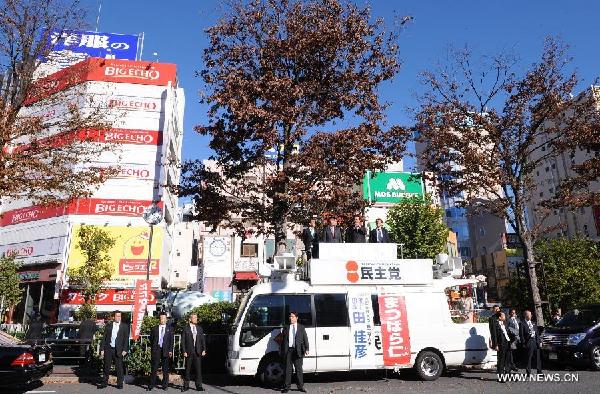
385	188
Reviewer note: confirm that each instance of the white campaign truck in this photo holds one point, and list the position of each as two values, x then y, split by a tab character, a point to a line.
363	309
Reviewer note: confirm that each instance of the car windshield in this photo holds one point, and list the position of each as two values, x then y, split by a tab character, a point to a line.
61	332
580	318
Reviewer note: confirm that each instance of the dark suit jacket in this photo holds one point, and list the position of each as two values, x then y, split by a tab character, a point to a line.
385	234
168	340
356	235
526	335
498	339
493	326
300	343
187	340
122	341
311	241
328	237
87	329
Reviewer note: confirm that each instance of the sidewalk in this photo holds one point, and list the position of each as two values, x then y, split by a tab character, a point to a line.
68	374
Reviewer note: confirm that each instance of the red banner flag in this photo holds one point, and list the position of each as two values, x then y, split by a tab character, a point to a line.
395	338
142	298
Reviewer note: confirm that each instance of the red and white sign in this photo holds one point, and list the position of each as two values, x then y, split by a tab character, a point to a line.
395	338
142	296
106	70
83	206
106	297
37	251
137	266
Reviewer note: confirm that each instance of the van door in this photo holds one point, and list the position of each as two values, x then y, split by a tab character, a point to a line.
332	333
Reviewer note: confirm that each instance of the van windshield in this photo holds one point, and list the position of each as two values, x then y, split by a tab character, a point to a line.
580	318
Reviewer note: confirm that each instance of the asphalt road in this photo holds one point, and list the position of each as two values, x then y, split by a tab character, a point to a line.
368	382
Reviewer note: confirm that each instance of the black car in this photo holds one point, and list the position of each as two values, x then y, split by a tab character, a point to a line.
21	364
575	339
63	339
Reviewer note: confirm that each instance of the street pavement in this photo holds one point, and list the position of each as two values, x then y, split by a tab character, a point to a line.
366	382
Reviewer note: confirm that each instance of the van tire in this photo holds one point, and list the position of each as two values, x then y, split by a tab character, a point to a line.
595	358
429	365
271	371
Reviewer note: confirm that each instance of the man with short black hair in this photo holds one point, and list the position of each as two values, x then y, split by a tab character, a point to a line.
294	346
357	233
310	238
114	347
530	337
501	343
331	232
193	345
161	342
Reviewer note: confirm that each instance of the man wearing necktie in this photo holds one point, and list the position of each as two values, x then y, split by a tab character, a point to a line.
379	234
332	233
114	347
294	346
515	334
531	340
501	344
194	347
311	240
161	342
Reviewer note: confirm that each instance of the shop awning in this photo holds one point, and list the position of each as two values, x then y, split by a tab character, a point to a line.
246	276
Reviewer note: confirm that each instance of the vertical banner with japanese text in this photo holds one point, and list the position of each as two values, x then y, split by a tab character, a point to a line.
395	338
142	297
362	335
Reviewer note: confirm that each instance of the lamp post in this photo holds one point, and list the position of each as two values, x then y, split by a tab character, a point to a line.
153	215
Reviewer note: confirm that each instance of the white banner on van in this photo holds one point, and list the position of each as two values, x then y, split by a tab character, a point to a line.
362	335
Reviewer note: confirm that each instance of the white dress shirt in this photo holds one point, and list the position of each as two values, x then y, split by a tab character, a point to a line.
292	334
503	328
115	331
161	333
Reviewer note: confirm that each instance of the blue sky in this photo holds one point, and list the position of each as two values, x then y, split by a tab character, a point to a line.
174	30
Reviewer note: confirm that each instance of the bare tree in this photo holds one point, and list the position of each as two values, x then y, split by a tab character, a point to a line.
282	76
40	158
486	130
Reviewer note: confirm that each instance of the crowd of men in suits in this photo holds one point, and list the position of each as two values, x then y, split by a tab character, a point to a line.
512	337
332	233
114	346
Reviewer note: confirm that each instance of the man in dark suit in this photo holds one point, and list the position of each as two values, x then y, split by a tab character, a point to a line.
530	337
501	343
379	234
493	322
515	338
332	233
311	240
114	347
357	233
161	342
293	348
194	347
87	329
36	326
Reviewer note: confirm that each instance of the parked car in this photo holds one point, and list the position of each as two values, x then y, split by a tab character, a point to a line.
63	339
575	339
22	363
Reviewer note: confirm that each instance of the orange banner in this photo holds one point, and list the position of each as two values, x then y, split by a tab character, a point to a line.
395	338
142	298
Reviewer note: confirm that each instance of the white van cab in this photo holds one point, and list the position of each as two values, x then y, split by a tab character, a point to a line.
363	309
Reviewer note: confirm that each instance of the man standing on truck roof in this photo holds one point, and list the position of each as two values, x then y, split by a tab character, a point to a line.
332	233
294	347
310	238
379	234
357	233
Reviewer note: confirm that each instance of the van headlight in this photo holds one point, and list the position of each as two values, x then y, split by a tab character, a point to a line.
233	354
574	339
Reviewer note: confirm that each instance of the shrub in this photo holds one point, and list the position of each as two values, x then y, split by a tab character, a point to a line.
210	317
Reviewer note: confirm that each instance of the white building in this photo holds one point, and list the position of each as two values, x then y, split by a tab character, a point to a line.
145	105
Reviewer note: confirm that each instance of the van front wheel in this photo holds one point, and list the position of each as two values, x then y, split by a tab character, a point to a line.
271	371
429	365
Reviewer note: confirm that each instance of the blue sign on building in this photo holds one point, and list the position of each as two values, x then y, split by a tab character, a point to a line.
96	44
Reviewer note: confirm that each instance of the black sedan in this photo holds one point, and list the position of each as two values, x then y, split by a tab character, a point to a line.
65	342
21	364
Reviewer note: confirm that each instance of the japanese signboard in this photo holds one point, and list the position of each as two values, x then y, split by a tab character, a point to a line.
105	297
95	44
82	206
362	335
248	264
128	256
216	257
388	188
371	272
142	296
395	337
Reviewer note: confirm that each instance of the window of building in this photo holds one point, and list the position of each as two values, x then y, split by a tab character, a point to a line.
249	250
547	169
542	194
331	310
553	166
537	173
